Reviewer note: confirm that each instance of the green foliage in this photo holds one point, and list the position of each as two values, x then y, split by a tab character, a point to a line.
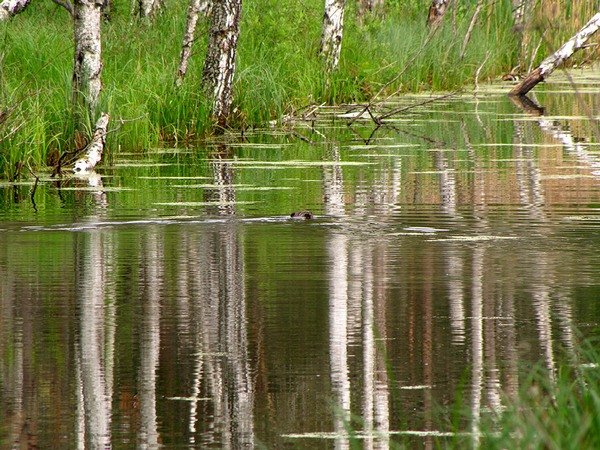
279	69
553	412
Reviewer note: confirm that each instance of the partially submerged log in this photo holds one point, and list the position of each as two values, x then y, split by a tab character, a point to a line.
9	8
549	64
93	151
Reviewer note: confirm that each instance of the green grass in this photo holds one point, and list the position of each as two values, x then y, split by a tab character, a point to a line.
553	414
279	69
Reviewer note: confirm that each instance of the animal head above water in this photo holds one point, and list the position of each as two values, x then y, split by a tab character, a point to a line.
302	215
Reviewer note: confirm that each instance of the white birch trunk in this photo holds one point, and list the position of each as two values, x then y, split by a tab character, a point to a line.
333	27
195	9
368	6
549	64
436	12
519	8
93	151
9	8
219	65
205	7
148	9
88	53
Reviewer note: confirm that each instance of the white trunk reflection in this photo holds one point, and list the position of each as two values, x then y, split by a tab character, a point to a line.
150	337
338	334
92	349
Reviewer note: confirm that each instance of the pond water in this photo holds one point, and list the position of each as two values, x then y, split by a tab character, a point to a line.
171	302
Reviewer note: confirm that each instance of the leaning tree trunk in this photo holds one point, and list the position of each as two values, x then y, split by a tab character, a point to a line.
331	39
556	59
219	65
195	9
9	8
436	12
88	54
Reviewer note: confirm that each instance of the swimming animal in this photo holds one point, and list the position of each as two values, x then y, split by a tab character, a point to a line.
302	215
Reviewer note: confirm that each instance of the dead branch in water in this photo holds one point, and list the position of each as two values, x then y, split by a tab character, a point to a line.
372	102
380	118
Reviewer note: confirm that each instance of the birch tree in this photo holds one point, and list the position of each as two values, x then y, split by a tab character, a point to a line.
553	61
88	54
436	12
331	39
219	65
519	8
9	8
148	9
369	6
195	9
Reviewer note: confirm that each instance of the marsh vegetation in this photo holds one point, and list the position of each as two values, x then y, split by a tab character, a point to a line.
386	50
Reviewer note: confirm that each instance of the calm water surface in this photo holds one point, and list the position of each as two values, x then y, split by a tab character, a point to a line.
171	302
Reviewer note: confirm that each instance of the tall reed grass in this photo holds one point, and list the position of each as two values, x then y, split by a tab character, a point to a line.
279	68
561	412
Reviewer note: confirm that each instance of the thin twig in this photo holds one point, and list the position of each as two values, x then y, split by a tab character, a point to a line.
470	29
302	138
419	136
409	107
478	71
35	185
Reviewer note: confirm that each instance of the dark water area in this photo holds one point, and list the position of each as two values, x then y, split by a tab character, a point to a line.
171	302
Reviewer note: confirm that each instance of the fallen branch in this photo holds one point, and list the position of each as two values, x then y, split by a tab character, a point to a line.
369	105
93	151
549	64
393	112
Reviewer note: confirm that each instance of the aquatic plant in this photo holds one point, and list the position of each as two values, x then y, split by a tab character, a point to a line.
550	412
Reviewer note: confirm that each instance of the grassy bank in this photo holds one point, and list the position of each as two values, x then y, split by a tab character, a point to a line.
279	68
